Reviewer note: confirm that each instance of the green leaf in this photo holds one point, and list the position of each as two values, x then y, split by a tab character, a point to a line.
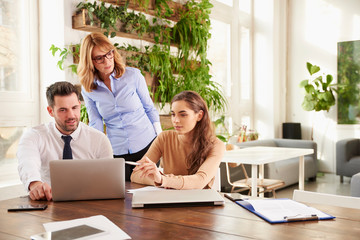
91	17
220	121
322	96
308	67
53	49
222	138
63	52
73	68
329	97
59	64
309	103
309	88
318	79
312	68
303	83
329	79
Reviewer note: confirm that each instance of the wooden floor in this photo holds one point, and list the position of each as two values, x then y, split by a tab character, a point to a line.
325	183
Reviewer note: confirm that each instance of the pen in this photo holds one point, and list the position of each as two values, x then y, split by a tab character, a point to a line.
301	217
132	163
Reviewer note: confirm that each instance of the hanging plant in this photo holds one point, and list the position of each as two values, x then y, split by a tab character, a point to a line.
73	50
136	59
107	17
163	9
192	32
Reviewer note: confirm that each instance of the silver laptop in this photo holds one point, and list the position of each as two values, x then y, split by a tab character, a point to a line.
87	179
176	198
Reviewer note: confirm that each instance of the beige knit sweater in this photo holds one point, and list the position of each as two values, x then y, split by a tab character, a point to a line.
173	149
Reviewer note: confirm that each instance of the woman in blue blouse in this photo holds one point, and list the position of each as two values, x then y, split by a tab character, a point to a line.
117	96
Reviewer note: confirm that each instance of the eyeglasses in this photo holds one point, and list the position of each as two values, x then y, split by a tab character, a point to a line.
101	58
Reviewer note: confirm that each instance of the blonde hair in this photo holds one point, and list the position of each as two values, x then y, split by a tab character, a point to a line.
86	69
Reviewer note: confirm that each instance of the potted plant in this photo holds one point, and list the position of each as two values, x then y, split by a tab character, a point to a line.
319	90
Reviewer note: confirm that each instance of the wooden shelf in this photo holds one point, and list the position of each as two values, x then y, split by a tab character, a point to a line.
175	6
81	21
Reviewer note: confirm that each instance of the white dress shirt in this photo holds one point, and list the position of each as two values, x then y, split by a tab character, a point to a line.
43	143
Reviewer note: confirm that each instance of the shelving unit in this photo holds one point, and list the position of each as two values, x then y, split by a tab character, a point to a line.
81	21
191	33
151	8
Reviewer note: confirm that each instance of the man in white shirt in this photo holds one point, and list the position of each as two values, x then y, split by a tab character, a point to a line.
43	143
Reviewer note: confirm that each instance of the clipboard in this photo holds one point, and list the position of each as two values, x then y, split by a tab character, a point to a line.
283	210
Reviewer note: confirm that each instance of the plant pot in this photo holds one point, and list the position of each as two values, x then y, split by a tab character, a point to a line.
81	21
133	4
165	121
151	7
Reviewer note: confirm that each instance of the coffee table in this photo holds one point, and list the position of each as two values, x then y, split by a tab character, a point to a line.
258	156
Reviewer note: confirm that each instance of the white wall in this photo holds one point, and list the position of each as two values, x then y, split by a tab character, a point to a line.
315	27
51	31
269	66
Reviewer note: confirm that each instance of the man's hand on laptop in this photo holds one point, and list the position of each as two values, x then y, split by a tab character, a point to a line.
40	191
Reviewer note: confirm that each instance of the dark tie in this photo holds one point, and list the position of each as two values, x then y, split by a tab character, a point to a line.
67	154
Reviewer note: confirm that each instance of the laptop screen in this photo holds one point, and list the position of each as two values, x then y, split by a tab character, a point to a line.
87	179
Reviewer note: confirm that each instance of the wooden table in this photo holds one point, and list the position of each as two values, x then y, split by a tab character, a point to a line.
258	156
221	222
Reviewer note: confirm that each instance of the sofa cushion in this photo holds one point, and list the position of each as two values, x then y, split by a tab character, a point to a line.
288	170
355	185
262	143
353	165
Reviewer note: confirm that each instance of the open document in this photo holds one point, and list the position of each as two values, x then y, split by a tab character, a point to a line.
283	210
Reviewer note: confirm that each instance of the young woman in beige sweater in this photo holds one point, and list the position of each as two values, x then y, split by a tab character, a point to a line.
191	154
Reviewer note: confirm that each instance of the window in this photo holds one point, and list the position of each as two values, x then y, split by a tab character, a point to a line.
219	51
230	52
18	80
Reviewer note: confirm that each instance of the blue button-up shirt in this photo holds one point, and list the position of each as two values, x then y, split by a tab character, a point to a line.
127	110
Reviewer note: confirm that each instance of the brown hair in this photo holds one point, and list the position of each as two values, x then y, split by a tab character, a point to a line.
86	69
60	89
203	134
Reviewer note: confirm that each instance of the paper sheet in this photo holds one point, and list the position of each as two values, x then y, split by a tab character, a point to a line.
148	188
276	210
98	221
